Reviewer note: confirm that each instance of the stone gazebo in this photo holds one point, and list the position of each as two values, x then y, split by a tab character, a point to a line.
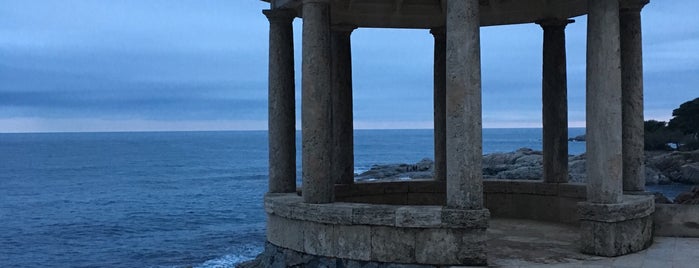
444	221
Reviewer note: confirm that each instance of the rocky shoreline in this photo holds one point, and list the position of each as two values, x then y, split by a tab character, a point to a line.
661	168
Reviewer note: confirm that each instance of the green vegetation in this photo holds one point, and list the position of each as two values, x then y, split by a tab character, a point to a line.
681	133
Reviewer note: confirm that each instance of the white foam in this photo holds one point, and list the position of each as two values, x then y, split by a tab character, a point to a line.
231	260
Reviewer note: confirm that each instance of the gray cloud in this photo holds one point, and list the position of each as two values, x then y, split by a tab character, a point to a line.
200	61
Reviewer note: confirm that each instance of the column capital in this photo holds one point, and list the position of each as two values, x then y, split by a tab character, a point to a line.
439	32
554	22
280	15
632	5
343	28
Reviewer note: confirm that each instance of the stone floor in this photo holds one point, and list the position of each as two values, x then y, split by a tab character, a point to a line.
523	243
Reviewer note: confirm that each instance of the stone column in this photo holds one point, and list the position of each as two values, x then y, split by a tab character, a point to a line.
440	103
282	114
316	113
632	94
555	101
343	136
604	159
463	92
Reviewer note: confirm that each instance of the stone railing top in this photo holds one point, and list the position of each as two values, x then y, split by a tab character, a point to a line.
538	187
291	206
573	190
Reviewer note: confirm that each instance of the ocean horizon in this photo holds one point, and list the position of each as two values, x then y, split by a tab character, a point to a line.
165	198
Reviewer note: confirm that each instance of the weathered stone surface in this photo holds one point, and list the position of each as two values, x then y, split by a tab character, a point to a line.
631	207
335	213
632	95
438	246
342	118
473	247
316	107
676	220
374	215
392	244
603	103
319	239
555	102
282	115
464	111
419	216
468	219
285	232
353	242
278	257
616	238
440	103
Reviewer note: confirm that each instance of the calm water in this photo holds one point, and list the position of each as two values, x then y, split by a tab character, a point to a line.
168	199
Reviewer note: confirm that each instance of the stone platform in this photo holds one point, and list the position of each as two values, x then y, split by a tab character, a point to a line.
523	243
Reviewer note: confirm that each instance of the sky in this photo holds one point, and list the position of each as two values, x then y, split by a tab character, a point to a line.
162	65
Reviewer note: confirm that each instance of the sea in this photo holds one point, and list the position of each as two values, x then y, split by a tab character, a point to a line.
166	199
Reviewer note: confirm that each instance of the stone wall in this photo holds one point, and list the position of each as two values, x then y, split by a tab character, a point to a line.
431	235
535	200
676	220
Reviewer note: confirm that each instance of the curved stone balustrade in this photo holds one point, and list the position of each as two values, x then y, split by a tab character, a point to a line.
382	233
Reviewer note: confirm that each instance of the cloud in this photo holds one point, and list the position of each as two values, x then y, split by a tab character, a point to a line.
66	64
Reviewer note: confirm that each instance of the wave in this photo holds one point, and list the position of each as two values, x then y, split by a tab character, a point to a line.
231	260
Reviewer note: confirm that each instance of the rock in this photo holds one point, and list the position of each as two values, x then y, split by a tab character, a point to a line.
660	198
690	173
419	170
688	198
526	164
653	177
671	164
578	138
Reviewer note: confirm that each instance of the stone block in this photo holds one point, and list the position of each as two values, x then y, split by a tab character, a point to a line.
466	219
496	186
419	216
612	239
499	204
395	187
367	188
676	220
437	246
332	213
632	207
572	190
427	186
522	187
342	191
473	250
568	210
390	244
543	188
285	232
353	242
275	229
319	239
374	215
426	199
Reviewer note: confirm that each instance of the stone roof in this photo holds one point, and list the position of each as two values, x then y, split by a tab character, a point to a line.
427	14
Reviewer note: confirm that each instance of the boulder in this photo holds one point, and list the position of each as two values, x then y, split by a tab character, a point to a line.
688	198
654	177
689	173
577	138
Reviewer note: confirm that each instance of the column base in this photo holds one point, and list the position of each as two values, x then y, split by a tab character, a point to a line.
616	229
